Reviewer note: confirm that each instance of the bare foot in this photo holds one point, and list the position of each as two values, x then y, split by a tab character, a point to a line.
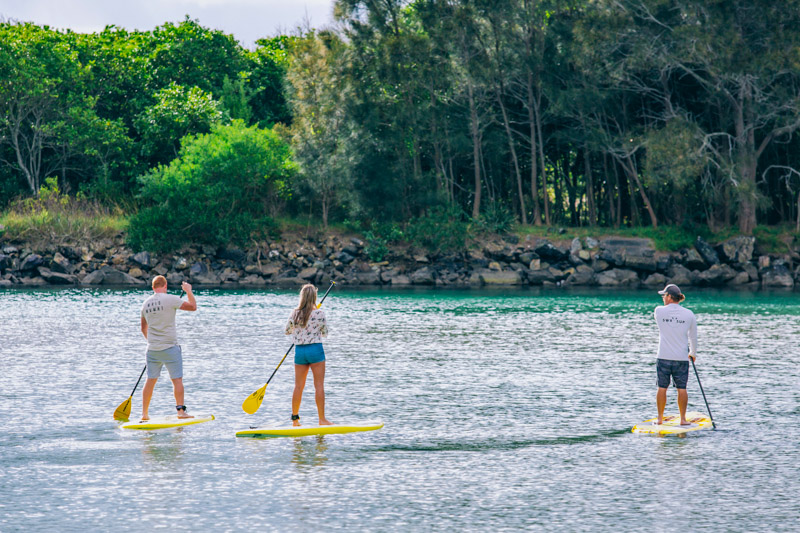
658	423
685	423
183	414
325	422
296	423
145	418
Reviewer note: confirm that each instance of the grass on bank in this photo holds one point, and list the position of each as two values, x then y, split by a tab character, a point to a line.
769	239
55	218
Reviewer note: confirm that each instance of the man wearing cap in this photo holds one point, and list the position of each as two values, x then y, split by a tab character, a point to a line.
677	328
158	327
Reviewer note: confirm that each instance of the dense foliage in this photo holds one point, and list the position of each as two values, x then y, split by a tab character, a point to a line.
447	114
224	187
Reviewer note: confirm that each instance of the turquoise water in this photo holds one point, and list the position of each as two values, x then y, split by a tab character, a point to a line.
503	411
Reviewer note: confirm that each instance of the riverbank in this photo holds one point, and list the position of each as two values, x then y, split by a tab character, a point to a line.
509	260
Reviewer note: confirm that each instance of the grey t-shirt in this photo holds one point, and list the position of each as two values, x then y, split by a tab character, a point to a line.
677	332
159	312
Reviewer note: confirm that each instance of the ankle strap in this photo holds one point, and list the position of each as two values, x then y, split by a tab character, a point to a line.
295	417
179	407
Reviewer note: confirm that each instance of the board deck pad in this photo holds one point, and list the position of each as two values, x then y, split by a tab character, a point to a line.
287	430
671	425
164	422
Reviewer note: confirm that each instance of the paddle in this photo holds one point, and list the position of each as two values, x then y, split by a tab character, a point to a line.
123	411
704	394
251	404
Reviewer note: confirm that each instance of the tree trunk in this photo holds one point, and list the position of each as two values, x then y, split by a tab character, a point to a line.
513	150
537	214
476	149
587	169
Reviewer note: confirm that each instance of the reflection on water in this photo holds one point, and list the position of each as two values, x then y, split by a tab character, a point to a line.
163	447
309	452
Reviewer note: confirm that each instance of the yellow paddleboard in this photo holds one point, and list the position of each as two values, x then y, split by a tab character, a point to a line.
163	422
672	425
287	430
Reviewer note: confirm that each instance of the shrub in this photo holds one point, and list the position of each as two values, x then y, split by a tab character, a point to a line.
441	229
223	188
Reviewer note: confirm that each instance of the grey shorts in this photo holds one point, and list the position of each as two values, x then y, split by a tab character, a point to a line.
170	357
677	370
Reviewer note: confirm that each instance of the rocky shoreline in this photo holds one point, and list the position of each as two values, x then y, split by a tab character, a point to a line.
503	261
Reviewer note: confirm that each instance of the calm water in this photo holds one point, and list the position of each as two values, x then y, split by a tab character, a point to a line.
503	411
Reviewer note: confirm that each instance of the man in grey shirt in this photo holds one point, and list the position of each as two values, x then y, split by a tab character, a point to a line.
158	327
677	329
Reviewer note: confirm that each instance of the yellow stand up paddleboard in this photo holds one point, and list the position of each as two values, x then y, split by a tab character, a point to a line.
287	430
164	422
672	425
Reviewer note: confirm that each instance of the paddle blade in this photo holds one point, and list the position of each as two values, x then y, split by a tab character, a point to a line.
251	404
123	411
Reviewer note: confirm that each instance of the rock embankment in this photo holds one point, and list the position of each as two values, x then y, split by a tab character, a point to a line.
605	262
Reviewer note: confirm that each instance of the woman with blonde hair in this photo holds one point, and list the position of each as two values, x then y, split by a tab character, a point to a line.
307	327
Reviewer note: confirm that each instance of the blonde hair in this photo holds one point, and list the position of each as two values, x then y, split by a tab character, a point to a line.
159	281
308	302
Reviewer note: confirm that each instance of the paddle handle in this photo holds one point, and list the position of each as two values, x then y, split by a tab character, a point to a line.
137	381
713	424
292	346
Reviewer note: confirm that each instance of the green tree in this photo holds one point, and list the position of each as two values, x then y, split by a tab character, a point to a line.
223	188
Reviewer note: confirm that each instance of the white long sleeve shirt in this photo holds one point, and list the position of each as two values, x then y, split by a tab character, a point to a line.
677	329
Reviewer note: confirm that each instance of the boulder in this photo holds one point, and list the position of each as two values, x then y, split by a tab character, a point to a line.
545	250
575	246
30	262
93	278
136	272
777	276
253	280
70	253
737	250
655	280
422	276
740	278
526	257
60	264
715	276
764	262
598	265
679	275
229	275
645	261
160	269
585	255
345	257
57	278
10	249
615	250
232	254
143	259
751	270
706	251
368	278
5	283
509	277
421	259
290	282
540	277
494	265
400	279
308	273
350	249
180	263
617	277
35	281
198	269
692	259
591	243
175	278
5	262
583	275
113	276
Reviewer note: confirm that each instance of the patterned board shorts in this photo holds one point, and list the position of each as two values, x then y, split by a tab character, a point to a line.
677	370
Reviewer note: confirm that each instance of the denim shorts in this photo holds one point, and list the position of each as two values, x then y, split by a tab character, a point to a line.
678	370
171	357
307	354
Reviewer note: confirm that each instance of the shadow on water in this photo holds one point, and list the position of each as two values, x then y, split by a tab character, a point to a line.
491	445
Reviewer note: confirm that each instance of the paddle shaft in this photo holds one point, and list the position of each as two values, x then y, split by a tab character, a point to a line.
713	424
292	346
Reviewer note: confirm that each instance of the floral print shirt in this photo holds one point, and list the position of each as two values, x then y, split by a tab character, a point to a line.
314	330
